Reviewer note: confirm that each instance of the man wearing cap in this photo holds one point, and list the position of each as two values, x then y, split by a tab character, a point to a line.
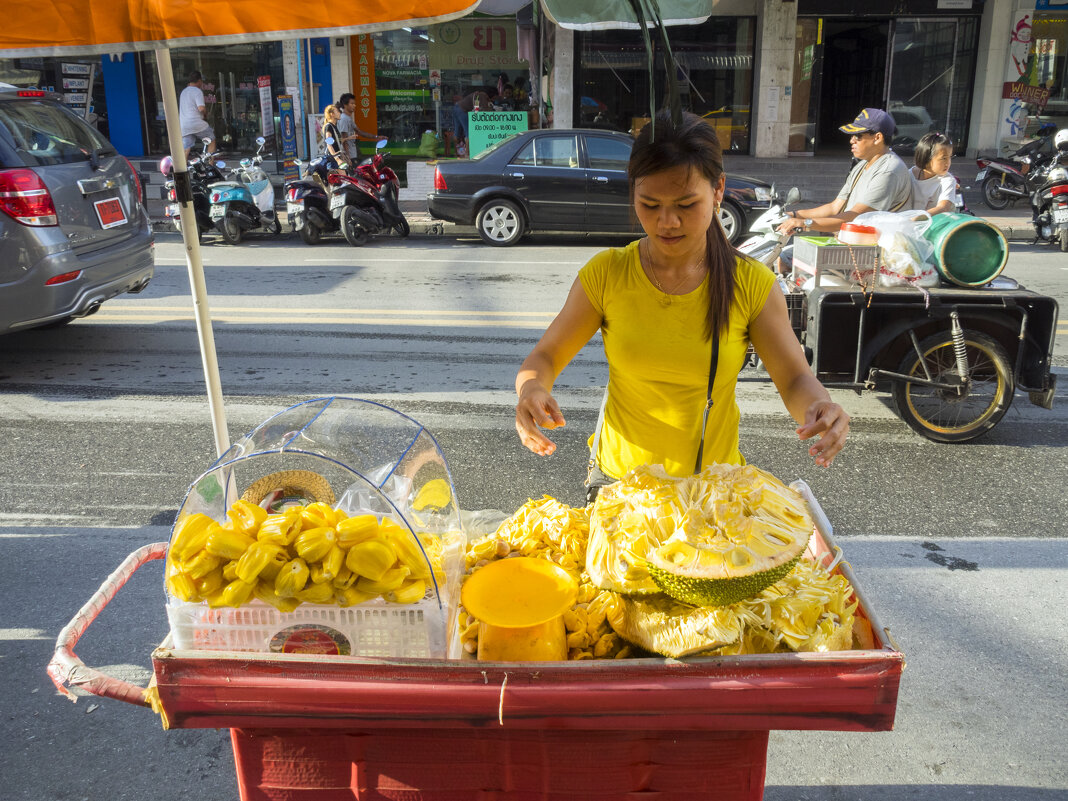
879	182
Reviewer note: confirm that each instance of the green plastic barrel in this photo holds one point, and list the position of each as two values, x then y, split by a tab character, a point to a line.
968	251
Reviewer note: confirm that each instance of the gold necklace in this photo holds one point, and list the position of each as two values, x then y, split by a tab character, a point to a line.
666	300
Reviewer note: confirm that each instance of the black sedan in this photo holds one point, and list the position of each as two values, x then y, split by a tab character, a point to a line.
562	180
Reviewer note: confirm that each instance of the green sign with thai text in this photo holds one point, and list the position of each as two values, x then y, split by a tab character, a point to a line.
487	128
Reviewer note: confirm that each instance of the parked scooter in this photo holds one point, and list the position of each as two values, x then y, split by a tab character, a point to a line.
203	171
1049	201
1006	179
245	201
365	201
308	200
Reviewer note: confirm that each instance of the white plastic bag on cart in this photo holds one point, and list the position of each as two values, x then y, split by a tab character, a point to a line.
905	255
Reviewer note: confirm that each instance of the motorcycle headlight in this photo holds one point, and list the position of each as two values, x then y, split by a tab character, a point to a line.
1058	174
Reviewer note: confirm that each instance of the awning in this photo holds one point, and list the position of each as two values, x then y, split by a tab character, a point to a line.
600	15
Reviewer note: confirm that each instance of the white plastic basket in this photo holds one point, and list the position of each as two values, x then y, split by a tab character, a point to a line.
372	629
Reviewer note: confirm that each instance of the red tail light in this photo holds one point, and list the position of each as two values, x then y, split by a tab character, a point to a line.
291	195
30	93
136	177
62	279
172	194
215	196
439	181
24	197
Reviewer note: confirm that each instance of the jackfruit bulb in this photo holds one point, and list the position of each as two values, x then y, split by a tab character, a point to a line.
710	539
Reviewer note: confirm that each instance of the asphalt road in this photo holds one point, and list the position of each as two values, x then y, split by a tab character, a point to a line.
103	425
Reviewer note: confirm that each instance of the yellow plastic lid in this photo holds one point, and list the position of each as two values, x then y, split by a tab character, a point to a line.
518	592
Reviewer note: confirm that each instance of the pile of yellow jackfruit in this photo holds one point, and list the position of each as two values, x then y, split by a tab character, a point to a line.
306	554
548	529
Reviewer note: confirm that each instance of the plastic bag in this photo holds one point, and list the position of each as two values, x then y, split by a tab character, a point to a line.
428	145
905	254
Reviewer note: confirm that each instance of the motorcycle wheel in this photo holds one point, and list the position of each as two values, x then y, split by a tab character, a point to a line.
402	228
942	415
354	233
310	233
230	230
276	226
1064	240
992	194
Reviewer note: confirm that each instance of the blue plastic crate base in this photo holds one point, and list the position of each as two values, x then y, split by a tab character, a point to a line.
828	262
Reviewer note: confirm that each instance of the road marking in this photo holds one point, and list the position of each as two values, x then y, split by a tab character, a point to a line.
279	317
457	260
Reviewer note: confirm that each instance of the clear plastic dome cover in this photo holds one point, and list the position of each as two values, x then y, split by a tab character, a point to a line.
356	455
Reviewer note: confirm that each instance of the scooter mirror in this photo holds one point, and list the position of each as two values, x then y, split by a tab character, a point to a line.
793	195
381	143
298	163
260	141
221	165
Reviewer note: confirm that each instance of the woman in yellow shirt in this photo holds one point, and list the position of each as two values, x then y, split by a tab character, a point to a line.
666	304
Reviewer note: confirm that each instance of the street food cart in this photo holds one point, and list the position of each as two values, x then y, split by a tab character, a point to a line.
345	724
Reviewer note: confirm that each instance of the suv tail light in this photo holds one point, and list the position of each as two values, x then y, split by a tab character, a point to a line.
137	180
25	198
439	181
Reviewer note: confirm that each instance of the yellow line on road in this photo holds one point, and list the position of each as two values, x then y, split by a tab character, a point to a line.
135	307
284	318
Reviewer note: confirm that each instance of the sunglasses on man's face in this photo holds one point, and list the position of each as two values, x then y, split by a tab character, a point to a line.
862	134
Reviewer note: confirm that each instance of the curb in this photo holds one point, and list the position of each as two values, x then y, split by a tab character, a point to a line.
422	225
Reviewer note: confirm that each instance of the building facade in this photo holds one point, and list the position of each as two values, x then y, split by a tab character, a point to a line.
776	78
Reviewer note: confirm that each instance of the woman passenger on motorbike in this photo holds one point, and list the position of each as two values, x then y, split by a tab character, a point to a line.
332	136
667	305
934	189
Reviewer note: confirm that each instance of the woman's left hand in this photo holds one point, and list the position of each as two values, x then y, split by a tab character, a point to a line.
830	421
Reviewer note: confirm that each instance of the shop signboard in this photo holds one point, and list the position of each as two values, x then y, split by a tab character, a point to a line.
473	45
288	125
363	56
487	128
263	82
75	69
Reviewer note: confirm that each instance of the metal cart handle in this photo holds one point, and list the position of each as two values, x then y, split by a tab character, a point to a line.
67	669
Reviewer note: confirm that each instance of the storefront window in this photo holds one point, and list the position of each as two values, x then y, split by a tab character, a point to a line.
231	92
79	81
715	63
421	72
1049	36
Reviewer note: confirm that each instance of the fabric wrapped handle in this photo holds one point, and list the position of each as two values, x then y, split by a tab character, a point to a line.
67	669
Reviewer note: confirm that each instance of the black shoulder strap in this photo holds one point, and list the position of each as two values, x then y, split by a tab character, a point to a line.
713	364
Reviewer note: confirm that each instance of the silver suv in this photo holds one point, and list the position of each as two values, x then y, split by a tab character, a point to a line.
73	227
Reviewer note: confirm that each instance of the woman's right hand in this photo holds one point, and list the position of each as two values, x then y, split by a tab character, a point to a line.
537	409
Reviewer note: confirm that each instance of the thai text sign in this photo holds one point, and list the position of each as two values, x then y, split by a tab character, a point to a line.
487	128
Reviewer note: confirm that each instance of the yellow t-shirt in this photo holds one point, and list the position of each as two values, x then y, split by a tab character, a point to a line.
658	364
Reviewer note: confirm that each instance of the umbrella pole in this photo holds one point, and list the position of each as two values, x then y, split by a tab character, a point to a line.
191	236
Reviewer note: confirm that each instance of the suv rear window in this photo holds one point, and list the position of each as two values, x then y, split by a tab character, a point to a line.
41	133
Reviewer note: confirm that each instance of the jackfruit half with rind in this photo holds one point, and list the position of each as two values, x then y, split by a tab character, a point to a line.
711	539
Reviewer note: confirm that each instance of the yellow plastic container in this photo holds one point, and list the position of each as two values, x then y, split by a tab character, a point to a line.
519	604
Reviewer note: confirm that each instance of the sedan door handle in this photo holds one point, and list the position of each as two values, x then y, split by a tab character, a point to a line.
518	175
600	179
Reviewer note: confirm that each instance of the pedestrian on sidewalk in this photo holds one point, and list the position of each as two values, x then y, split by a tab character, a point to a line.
350	132
192	114
476	101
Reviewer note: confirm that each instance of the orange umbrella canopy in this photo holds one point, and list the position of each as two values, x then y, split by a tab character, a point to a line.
70	27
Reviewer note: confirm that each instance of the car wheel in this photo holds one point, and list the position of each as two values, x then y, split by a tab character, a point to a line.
230	230
310	233
500	223
733	222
